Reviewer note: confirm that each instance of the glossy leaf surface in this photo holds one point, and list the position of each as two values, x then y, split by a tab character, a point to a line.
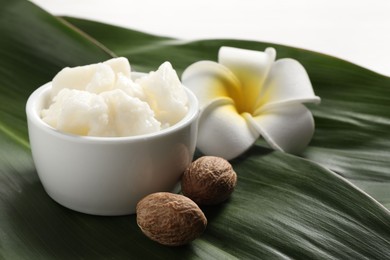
283	207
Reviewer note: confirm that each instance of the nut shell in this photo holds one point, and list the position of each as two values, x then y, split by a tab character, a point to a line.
209	180
170	219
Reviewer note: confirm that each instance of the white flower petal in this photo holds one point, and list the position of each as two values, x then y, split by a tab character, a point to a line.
248	94
209	81
287	83
223	132
251	68
288	128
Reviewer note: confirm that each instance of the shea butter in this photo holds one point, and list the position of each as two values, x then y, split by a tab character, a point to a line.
103	100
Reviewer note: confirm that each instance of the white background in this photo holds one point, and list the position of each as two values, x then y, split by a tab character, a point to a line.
354	30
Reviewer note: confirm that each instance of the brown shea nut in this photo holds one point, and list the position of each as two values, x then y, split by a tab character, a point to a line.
209	180
170	219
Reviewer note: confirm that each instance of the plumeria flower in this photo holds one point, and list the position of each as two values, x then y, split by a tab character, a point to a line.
248	94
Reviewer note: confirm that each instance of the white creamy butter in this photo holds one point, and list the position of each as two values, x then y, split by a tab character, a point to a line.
102	100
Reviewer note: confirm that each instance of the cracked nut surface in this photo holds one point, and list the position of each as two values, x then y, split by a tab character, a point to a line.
209	180
170	219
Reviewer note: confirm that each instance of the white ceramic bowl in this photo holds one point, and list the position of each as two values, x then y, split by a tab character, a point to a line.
108	175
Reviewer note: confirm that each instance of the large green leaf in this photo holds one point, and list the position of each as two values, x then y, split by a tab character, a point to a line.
284	206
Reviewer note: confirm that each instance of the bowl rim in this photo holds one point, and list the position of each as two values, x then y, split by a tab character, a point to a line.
41	92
